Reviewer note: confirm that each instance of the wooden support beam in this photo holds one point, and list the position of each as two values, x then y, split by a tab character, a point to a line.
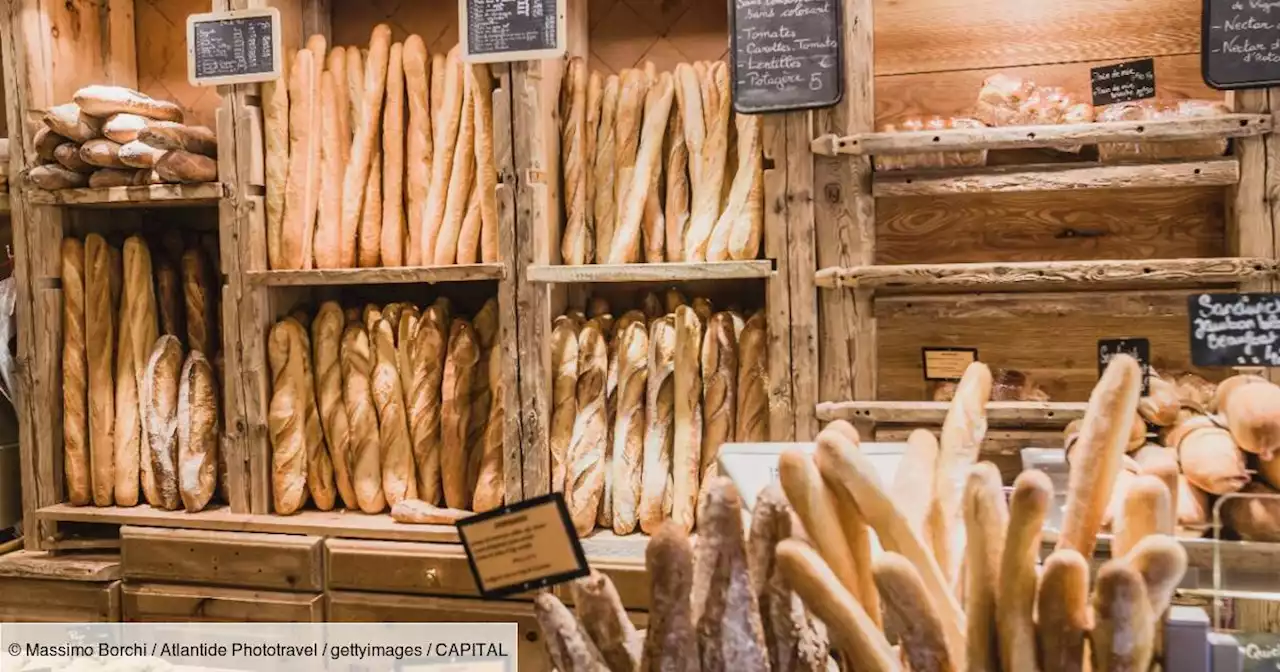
377	276
934	412
1057	177
654	272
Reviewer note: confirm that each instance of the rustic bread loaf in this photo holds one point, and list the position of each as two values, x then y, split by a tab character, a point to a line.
100	339
68	156
103	101
70	122
319	463
199	140
201	296
585	470
986	518
138	154
138	332
564	401
124	127
753	381
103	178
366	451
198	433
181	166
391	246
398	481
159	401
604	204
45	142
52	177
286	417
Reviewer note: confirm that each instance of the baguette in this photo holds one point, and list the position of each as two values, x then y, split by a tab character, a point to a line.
570	647
355	179
601	613
1063	619
564	402
199	140
653	226
446	127
636	186
468	250
70	122
427	352
725	611
300	203
184	167
327	240
68	156
159	401
1147	510
604	205
45	143
418	151
460	181
710	153
484	325
1124	628
1097	456
815	505
101	153
629	427
907	604
719	379
753	382
138	332
627	128
591	141
199	300
1162	562
651	306
439	68
287	418
319	463
100	336
393	163
986	518
54	177
961	439
852	631
656	495
489	486
418	512
75	368
686	443
670	642
198	433
673	299
676	171
364	247
486	168
103	101
1016	598
858	540
794	639
365	457
736	234
326	343
141	155
915	475
398	481
585	470
355	87
455	412
336	63
578	237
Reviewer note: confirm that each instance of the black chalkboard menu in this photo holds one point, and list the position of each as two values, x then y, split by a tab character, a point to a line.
1240	43
786	54
233	47
1234	329
511	30
1138	348
1123	82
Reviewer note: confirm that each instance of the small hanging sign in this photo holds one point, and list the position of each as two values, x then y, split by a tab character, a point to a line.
494	31
785	54
521	547
1123	82
1138	348
236	47
947	363
1238	330
1240	43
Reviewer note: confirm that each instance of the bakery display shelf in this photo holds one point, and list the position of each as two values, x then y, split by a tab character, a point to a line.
1040	413
1076	275
1031	137
1056	177
377	276
656	272
150	196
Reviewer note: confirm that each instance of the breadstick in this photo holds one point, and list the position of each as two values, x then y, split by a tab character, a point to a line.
418	151
355	179
986	516
625	246
575	241
1124	627
602	615
275	118
686	444
300	202
737	214
328	230
1016	598
961	439
604	166
907	603
486	170
1147	510
393	162
446	129
1063	619
337	65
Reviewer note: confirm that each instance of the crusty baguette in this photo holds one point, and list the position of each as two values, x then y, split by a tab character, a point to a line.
670	642
68	156
418	151
486	169
355	87
367	243
604	205
673	299
711	154
1097	456
1063	614
355	179
200	299
461	180
629	426
676	174
568	644
418	512
427	355
52	177
914	477
468	249
138	332
601	613
1124	628
651	306
1162	562
455	411
366	450
986	518
287	418
398	481
319	464
199	140
585	470
446	127
159	401
68	121
628	122
656	495
490	489
439	68
1016	598
393	162
327	240
178	166
102	153
908	605
100	338
686	444
653	225
719	362
1148	509
336	64
46	142
815	505
326	343
726	614
485	326
124	127
564	401
858	539
591	140
960	440
736	234
625	244
753	382
103	101
198	433
141	155
578	239
75	375
852	631
300	203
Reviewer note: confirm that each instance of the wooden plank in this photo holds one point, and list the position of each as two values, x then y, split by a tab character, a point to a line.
377	276
780	314
1045	226
397	567
323	523
798	219
56	601
655	272
1057	177
151	196
1249	225
934	35
508	288
1157	303
80	567
248	560
163	47
1076	274
1028	137
934	412
167	603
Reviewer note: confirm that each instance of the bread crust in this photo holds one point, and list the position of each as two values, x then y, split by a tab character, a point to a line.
75	375
725	611
159	400
585	471
286	417
398	480
686	445
564	400
198	433
100	337
455	412
138	332
602	615
670	643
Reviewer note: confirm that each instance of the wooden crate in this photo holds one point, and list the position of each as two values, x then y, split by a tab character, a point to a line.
39	587
1036	257
168	603
281	562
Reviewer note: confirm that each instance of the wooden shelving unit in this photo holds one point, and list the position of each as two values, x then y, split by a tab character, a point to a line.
149	196
999	413
1057	177
656	272
377	276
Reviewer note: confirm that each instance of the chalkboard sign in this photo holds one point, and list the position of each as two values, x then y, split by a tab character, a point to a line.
1234	329
1123	82
1261	651
786	54
236	47
1138	348
511	30
1240	43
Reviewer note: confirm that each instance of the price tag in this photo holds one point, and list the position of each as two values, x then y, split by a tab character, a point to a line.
236	47
522	547
947	363
1234	329
1240	43
1138	348
1123	82
785	54
494	31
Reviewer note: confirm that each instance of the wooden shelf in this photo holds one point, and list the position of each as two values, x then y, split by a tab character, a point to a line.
151	196
378	276
1059	274
934	412
1056	177
1029	137
663	272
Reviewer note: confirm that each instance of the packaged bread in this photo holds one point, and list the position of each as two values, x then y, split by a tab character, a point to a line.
1154	110
931	159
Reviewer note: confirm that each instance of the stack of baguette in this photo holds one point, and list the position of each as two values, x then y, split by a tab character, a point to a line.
654	171
140	369
642	403
958	583
380	157
387	406
110	136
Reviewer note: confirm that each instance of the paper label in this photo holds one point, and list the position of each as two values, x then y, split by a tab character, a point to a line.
523	547
947	363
